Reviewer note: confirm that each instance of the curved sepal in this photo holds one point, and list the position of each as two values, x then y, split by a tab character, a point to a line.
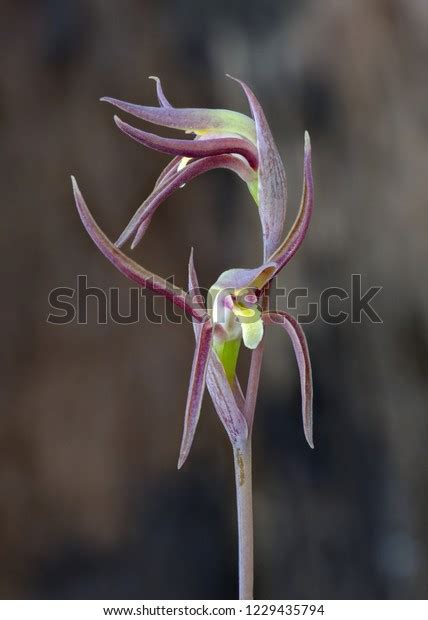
191	148
298	231
272	187
196	389
163	101
175	180
301	351
130	268
196	120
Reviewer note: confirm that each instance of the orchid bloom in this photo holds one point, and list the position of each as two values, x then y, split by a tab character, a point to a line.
236	311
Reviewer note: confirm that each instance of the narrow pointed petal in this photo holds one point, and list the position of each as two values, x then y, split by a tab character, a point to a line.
272	195
176	181
163	101
225	402
130	268
298	231
168	171
190	119
193	284
196	389
301	351
191	148
227	398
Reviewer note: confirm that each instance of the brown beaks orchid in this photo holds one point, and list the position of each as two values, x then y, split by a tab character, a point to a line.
236	312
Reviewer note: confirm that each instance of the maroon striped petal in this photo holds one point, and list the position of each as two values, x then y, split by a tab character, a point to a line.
163	101
196	389
227	399
190	119
298	231
272	181
301	350
173	182
130	268
191	148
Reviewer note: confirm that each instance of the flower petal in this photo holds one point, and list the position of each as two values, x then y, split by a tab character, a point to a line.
191	119
225	402
301	350
174	182
196	389
272	195
237	279
191	148
163	101
168	171
130	268
298	231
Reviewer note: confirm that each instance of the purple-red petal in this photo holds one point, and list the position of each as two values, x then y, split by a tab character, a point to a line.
163	101
298	231
272	182
196	389
190	119
191	148
173	182
130	268
301	351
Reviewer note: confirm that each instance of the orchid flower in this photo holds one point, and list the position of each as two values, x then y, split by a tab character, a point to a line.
236	311
223	139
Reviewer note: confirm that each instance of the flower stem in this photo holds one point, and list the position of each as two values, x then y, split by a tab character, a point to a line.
244	497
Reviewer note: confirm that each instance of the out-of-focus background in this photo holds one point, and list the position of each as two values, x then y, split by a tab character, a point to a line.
91	503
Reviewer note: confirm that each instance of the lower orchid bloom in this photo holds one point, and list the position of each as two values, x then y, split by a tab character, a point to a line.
237	311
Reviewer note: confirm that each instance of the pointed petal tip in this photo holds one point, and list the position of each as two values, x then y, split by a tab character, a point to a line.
309	439
181	460
307	141
76	190
135	242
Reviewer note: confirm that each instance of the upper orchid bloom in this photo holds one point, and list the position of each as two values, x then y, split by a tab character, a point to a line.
223	139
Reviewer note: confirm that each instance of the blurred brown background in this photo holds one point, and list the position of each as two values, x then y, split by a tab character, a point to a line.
91	503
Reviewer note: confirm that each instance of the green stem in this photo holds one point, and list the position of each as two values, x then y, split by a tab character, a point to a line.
244	493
